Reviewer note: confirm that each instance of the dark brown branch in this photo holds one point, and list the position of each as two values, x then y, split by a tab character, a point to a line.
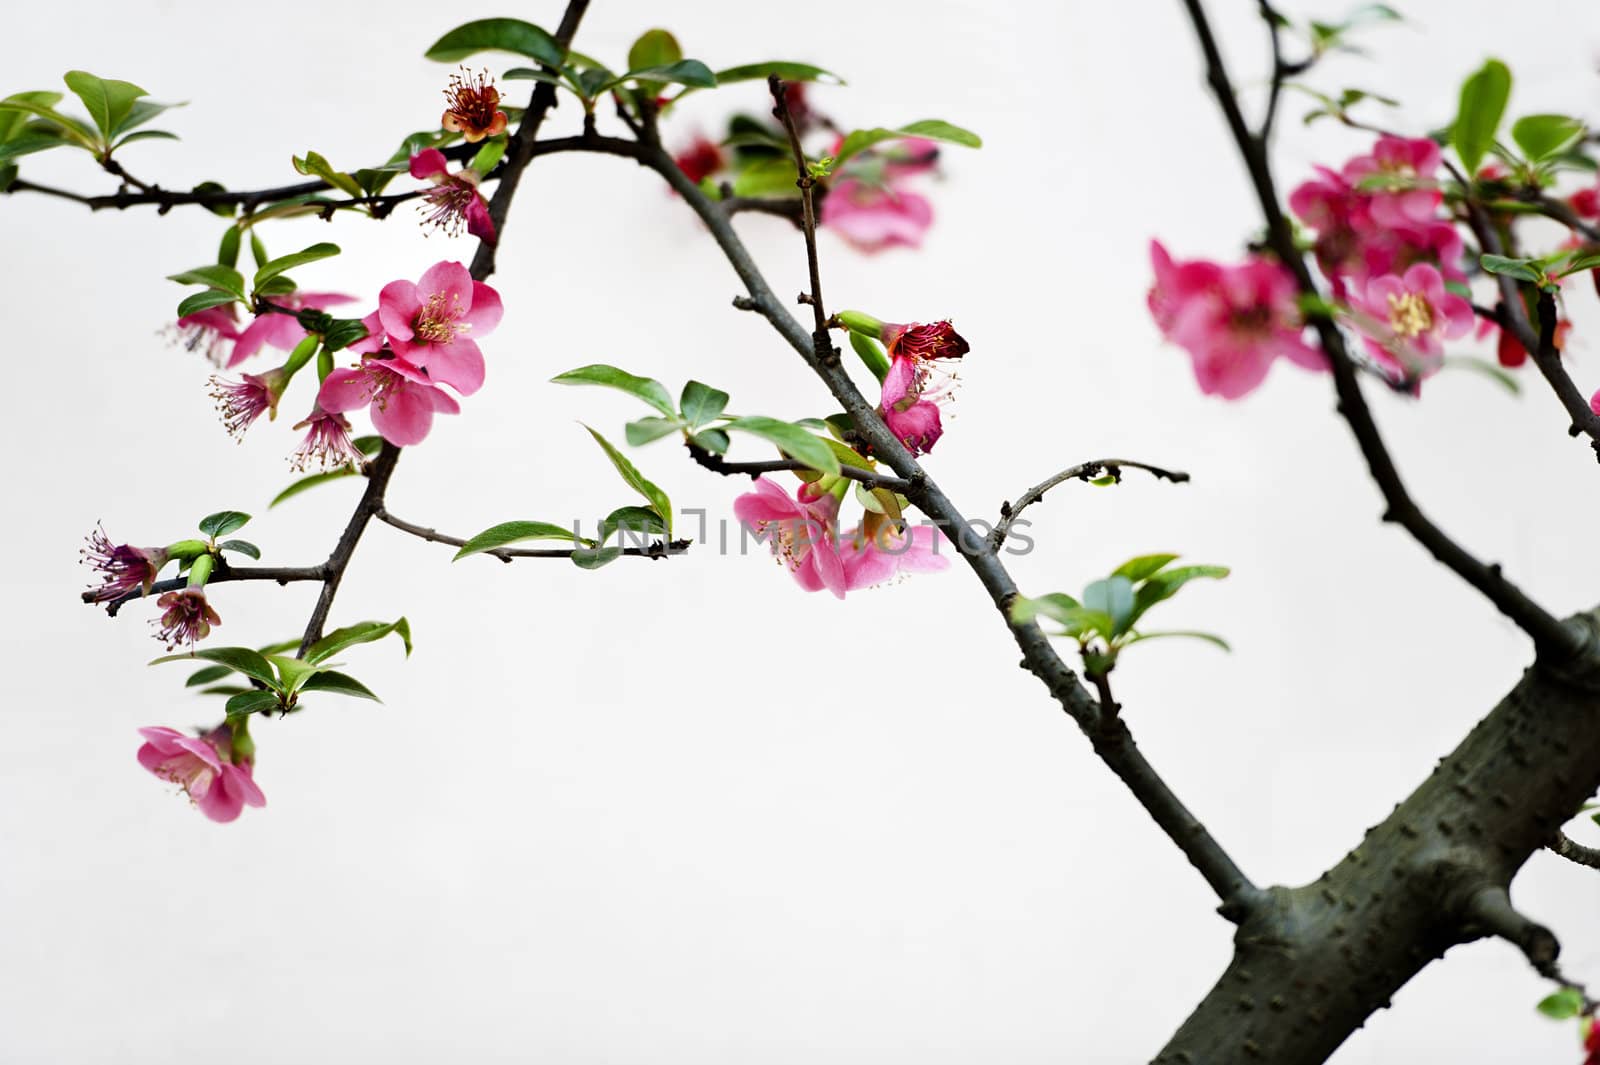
808	215
1084	471
717	464
378	473
659	549
1552	638
224	573
1573	851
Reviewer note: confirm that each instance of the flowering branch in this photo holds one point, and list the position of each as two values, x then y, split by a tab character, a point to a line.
222	573
1552	638
1084	471
659	549
717	464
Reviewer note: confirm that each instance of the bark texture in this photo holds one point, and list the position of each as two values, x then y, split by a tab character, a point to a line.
1312	963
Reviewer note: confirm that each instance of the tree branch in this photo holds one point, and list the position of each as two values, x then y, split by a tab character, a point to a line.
223	574
1573	851
378	474
1082	472
717	464
1550	636
659	549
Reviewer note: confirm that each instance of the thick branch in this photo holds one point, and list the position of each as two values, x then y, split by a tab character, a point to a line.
660	549
1550	636
378	474
1084	471
1489	909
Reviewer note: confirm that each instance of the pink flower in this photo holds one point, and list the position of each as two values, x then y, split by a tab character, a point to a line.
123	569
913	155
202	767
917	340
872	217
1410	163
1232	320
427	324
455	198
874	559
1406	319
186	617
327	445
400	399
241	403
278	330
803	534
701	158
210	331
474	107
911	416
1585	202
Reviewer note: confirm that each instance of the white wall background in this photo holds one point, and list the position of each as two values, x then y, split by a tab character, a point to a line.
646	814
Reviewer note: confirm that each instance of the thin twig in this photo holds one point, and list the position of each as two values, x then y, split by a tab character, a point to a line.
808	216
1084	471
1552	638
658	549
222	574
1573	851
717	464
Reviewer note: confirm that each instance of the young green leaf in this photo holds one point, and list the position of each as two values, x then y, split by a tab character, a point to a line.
213	275
1137	569
499	35
243	547
790	439
653	495
712	440
1165	585
311	481
361	632
645	430
285	263
1191	634
1543	136
251	702
239	659
637	522
701	403
202	301
314	165
223	522
690	72
1521	269
785	70
928	128
210	674
511	532
648	389
1054	605
1562	1005
1483	103
595	557
654	48
294	671
108	100
337	683
1114	597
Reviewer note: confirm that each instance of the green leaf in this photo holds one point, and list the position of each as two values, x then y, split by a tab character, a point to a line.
637	521
280	265
314	165
294	671
1191	634
652	494
702	403
361	632
654	48
201	677
146	135
213	275
311	481
243	547
202	301
511	532
27	144
790	439
1562	1005
499	35
1483	103
1024	609
71	128
1493	371
338	683
1543	136
690	72
223	522
239	659
141	112
595	557
1587	261
251	702
930	128
713	440
1137	569
1112	596
489	156
648	389
768	177
108	101
1165	585
1521	269
645	430
14	120
530	74
785	70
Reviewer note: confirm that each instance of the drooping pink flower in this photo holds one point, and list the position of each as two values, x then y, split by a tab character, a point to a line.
282	331
122	568
473	107
427	323
241	402
1232	320
454	198
398	395
700	159
872	217
185	618
212	332
1409	164
327	445
929	340
909	407
1406	319
874	559
803	535
202	766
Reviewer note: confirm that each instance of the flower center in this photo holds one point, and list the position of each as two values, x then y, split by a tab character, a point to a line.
436	322
1410	315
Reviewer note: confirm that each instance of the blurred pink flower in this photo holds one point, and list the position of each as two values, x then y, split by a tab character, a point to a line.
803	535
872	217
1406	318
873	560
202	767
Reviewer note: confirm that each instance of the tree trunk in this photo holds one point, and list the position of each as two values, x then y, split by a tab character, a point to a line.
1312	963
